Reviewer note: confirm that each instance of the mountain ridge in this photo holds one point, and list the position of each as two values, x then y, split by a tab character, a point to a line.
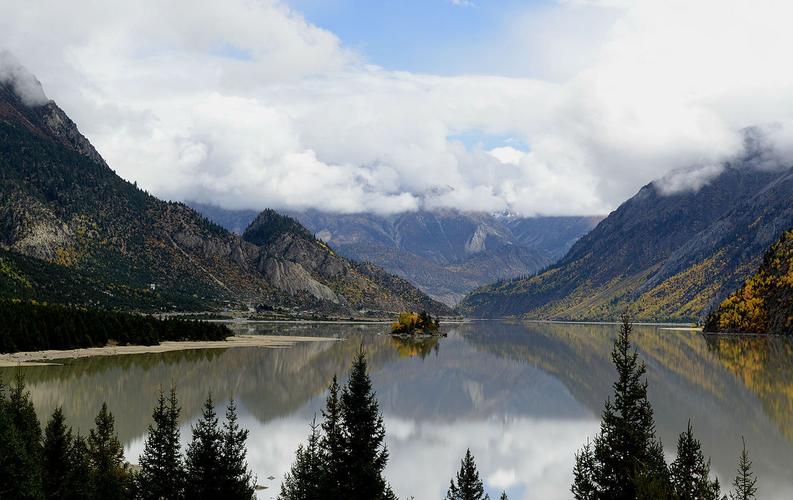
446	253
667	256
61	203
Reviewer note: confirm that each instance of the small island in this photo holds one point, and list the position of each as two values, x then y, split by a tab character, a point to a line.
415	324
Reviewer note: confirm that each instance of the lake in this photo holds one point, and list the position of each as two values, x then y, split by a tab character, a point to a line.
523	396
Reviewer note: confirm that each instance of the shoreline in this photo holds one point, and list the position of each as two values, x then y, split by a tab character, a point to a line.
50	357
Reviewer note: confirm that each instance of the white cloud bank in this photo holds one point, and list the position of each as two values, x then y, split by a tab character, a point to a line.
248	105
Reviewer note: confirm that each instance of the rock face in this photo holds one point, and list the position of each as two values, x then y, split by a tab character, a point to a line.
289	249
61	204
445	253
668	256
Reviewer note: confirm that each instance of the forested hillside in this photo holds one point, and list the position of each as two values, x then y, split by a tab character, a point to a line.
668	256
764	303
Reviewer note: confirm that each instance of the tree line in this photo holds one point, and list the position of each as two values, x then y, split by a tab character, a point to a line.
626	459
57	464
29	326
344	456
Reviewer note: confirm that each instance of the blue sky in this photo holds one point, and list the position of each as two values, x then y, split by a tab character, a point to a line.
425	36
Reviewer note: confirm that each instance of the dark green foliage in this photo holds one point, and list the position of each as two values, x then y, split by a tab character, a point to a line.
503	496
584	487
109	475
238	482
80	469
20	444
745	482
56	458
468	485
627	459
33	327
690	472
215	464
350	453
204	456
305	480
364	433
332	445
624	449
161	469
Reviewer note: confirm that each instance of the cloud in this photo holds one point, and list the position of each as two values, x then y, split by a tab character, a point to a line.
21	80
248	105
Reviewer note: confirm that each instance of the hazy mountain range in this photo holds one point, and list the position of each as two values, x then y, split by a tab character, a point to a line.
445	253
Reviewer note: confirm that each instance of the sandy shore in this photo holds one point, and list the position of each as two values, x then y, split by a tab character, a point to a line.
33	358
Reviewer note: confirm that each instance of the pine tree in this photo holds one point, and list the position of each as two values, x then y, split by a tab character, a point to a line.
109	476
654	481
77	488
503	496
690	472
238	482
584	487
304	480
625	451
56	459
332	446
364	433
20	444
745	483
204	457
468	486
161	466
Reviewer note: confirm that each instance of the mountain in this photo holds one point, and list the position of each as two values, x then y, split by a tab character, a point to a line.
295	261
445	253
71	230
764	303
671	256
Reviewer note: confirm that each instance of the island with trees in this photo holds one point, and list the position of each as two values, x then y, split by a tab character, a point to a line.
415	324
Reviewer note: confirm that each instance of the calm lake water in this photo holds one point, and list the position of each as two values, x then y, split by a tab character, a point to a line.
523	396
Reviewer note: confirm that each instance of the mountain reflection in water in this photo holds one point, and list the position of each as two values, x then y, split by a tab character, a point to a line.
523	396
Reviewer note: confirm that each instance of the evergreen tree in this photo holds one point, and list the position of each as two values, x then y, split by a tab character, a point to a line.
332	447
364	432
468	486
56	459
626	450
109	477
161	466
20	444
204	457
503	496
745	483
584	487
690	472
238	482
654	480
304	480
77	487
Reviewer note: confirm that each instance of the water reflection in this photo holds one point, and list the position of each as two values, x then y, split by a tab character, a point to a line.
411	347
524	397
